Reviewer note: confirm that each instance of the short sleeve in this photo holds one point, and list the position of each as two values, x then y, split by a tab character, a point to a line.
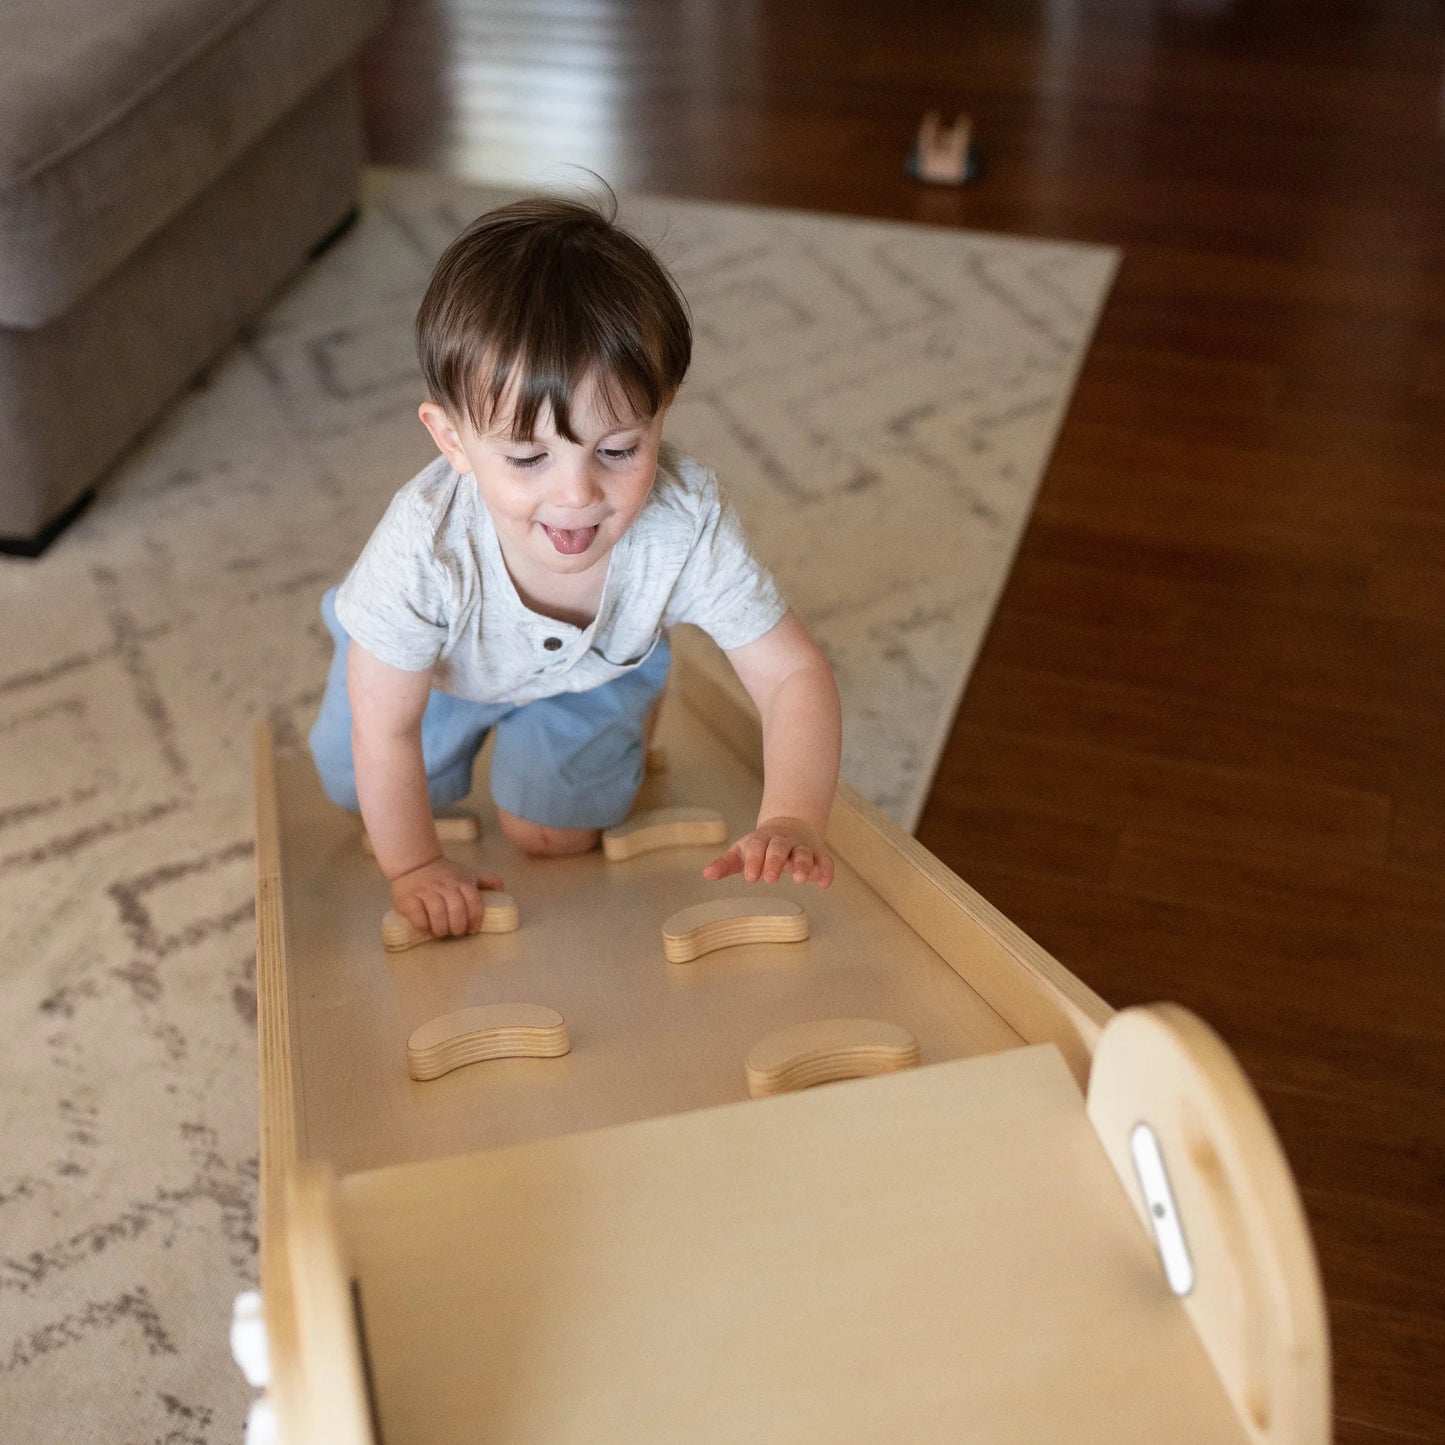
393	601
723	588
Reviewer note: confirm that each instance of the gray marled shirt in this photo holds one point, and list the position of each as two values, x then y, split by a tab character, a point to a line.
431	590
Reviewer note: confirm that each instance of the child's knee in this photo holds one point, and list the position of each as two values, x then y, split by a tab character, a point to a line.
539	841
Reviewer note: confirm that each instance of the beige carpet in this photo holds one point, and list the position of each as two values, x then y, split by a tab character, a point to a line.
880	398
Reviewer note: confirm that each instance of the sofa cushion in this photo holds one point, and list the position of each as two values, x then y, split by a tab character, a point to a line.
113	116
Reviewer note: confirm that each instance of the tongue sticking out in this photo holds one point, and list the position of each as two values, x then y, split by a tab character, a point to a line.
570	541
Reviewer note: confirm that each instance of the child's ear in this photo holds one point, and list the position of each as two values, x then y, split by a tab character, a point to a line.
444	433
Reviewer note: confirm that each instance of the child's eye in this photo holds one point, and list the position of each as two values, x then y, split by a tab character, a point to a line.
522	463
615	455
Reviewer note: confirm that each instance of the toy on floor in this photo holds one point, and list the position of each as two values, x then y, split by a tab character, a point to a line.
664	828
944	155
499	915
826	1050
724	922
495	1031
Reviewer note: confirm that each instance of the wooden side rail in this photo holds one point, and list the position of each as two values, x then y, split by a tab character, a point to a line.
319	1389
275	1041
1246	1268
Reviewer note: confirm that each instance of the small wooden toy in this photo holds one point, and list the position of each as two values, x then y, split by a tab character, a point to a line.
455	826
664	828
495	1031
944	155
825	1050
499	916
724	922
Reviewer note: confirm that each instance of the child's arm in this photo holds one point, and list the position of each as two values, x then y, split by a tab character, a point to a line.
427	888
790	680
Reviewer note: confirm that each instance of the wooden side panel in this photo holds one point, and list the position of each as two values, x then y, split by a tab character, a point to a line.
1256	1299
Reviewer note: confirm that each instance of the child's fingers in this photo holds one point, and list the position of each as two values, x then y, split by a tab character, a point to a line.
488	884
414	911
436	914
755	857
775	858
725	865
457	910
763	857
475	908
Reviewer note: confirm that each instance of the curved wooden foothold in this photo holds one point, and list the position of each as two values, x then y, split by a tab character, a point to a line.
458	825
494	1031
664	828
499	915
724	922
1255	1297
827	1050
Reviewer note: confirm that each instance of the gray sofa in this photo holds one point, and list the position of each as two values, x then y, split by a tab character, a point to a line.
164	166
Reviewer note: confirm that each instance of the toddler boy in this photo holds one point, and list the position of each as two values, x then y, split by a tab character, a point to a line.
524	581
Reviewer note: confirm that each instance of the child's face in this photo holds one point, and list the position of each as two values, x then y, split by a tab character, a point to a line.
558	506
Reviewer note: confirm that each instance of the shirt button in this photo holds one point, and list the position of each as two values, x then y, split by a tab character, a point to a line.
552	643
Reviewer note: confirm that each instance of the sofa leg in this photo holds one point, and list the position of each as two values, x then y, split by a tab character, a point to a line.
34	546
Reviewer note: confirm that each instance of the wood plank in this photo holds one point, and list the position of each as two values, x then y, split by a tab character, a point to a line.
1269	884
1136	791
1301	745
280	1123
1219	1198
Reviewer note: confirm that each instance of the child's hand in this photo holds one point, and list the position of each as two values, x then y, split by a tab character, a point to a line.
776	846
442	897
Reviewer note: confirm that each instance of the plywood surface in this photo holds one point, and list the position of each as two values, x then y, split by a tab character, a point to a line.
647	1038
939	1255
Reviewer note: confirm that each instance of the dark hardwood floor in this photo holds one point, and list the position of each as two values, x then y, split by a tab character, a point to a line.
1201	757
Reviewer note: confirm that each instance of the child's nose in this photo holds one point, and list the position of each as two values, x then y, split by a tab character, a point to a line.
577	486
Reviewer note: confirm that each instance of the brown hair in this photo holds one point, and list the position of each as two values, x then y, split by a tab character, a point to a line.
539	295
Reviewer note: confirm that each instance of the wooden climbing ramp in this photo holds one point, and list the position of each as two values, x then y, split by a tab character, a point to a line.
985	1242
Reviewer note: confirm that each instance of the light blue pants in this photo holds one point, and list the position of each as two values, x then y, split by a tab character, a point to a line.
575	760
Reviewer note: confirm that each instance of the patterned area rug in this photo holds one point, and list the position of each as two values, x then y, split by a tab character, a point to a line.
881	400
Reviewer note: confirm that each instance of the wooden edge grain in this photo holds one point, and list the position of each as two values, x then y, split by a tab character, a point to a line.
492	1031
275	1041
726	922
1255	1298
826	1050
